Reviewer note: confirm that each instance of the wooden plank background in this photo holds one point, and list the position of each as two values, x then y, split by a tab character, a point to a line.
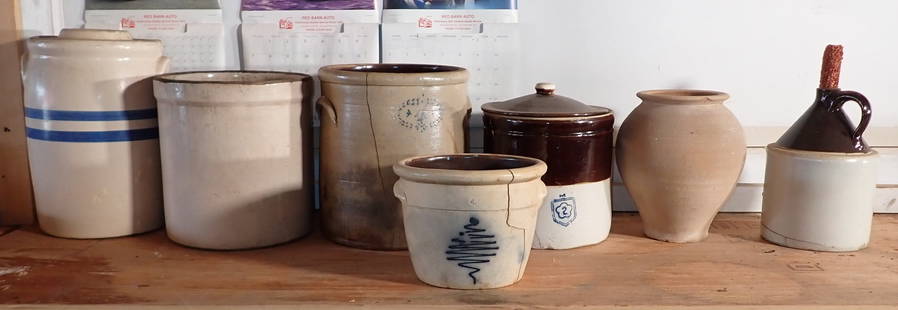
16	200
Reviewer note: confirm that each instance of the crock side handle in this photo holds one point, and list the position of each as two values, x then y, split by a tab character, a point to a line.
162	65
399	192
866	111
466	133
22	61
325	105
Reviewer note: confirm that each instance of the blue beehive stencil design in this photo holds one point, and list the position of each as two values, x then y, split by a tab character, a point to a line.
472	247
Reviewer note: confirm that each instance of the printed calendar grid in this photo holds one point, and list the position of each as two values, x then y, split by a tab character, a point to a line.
265	47
193	39
490	56
189	52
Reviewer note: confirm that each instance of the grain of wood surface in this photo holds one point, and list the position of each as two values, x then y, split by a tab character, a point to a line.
733	268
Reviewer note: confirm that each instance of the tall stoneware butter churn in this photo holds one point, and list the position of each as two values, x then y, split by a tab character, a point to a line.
236	157
680	153
92	133
821	174
575	140
470	218
373	115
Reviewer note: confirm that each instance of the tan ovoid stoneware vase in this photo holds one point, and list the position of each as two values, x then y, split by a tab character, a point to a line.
470	218
92	134
371	117
680	153
236	157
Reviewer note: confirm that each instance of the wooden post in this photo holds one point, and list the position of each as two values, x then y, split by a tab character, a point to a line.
16	199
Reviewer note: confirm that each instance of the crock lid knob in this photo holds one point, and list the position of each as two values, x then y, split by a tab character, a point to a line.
545	88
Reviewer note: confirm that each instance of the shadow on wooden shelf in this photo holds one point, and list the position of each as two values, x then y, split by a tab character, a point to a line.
734	266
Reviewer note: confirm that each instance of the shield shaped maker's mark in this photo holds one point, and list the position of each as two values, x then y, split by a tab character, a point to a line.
564	210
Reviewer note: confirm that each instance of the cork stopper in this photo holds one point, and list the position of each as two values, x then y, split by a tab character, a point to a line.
832	65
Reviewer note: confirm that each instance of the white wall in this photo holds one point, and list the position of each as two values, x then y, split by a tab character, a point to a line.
766	53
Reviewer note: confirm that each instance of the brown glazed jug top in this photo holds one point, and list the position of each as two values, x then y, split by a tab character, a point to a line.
824	127
544	103
573	138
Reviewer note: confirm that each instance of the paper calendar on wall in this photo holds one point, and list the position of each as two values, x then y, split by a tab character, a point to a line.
490	56
303	35
192	32
480	35
268	47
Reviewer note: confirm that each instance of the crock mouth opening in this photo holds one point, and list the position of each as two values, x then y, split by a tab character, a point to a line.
398	68
232	77
683	95
470	169
471	162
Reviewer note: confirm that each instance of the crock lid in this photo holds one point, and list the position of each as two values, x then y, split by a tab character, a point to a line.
544	103
95	34
96	42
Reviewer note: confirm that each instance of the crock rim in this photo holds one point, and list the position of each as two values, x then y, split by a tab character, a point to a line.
534	170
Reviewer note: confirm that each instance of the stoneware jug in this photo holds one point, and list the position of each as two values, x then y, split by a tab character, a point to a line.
371	117
92	134
680	153
818	201
236	157
821	175
824	127
575	141
470	218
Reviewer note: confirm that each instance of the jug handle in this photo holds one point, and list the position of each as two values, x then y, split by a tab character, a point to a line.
866	110
162	65
325	105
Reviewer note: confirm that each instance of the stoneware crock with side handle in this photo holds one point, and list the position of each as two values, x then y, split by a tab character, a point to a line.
680	153
470	218
373	115
575	141
92	134
236	157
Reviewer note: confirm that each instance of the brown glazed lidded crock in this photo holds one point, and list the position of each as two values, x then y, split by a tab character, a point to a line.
575	140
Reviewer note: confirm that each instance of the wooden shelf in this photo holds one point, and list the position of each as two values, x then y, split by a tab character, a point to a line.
733	267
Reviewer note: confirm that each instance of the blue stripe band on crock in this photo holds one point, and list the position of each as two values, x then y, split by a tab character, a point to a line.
93	136
63	115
